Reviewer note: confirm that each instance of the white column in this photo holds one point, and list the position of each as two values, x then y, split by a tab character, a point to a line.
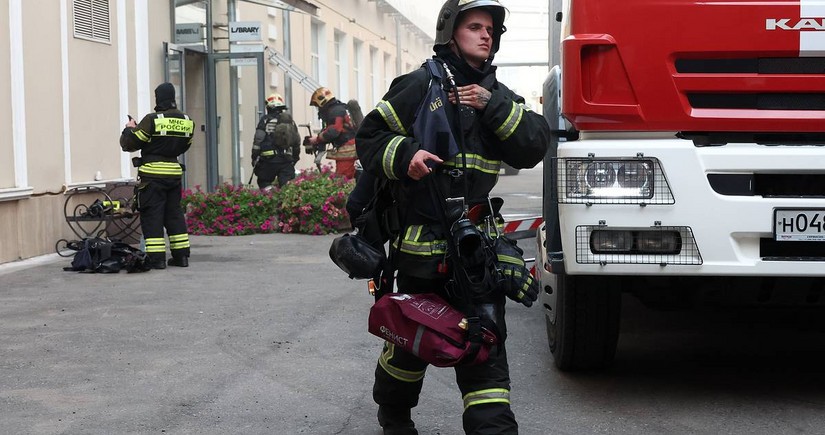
64	68
144	87
18	93
123	81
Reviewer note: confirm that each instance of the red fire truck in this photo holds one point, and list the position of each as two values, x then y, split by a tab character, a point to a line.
689	166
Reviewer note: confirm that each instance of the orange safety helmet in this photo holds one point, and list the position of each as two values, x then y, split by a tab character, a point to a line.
275	101
321	97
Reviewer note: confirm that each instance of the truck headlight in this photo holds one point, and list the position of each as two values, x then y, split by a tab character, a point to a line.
636	242
663	245
612	181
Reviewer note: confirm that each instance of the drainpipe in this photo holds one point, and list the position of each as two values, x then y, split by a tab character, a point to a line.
211	107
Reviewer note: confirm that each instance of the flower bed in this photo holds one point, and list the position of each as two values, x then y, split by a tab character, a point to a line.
313	203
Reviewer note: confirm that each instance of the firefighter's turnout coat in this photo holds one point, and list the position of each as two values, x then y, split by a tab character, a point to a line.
338	130
414	115
506	131
160	137
275	148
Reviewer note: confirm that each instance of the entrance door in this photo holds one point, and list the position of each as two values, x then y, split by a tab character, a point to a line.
236	102
224	94
186	69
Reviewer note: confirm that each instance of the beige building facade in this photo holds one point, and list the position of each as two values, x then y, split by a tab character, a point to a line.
72	70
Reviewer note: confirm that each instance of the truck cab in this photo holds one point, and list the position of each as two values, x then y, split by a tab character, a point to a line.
688	163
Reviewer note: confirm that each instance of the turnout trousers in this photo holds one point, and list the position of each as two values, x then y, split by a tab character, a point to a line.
485	388
158	202
279	169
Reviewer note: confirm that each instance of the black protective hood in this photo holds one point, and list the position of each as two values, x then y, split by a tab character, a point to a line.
165	97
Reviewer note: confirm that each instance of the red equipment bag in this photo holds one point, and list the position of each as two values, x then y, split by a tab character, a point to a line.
426	326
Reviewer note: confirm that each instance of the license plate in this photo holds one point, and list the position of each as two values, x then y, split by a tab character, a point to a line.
799	225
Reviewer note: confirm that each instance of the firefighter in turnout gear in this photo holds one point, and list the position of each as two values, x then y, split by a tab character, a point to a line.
338	130
276	146
161	137
459	150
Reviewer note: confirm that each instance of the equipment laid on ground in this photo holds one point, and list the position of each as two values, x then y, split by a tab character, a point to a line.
101	255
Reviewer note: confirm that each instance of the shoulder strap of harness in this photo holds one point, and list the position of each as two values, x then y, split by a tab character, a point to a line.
432	125
434	69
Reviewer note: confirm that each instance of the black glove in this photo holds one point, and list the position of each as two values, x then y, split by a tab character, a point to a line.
254	162
308	147
514	278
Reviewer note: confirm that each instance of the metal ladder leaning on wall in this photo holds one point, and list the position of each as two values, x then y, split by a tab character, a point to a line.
294	72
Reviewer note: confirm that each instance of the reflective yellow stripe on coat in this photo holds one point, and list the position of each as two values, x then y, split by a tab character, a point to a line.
161	168
411	243
390	117
474	162
511	123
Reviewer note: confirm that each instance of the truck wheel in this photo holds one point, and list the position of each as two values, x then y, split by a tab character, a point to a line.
585	328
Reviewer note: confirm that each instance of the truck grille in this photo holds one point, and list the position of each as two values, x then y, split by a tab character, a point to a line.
760	101
773	65
740	98
772	250
769	185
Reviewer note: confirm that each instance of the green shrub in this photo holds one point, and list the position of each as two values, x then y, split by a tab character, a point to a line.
313	203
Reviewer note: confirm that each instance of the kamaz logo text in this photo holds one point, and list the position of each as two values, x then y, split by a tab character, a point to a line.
801	24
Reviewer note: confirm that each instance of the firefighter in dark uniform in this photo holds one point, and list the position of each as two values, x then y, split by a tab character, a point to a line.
273	161
338	130
161	137
495	127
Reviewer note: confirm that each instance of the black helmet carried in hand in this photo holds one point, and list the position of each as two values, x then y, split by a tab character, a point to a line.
447	17
355	256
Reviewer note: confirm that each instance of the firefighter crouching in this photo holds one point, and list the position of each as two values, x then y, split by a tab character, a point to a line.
276	146
338	130
161	137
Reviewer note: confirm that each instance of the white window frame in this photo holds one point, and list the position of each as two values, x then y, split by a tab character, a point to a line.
357	58
388	75
374	77
337	59
316	50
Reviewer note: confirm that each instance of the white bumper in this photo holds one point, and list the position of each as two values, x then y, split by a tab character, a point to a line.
727	229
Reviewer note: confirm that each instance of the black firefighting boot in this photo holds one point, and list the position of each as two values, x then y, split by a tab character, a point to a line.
396	421
156	260
179	261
